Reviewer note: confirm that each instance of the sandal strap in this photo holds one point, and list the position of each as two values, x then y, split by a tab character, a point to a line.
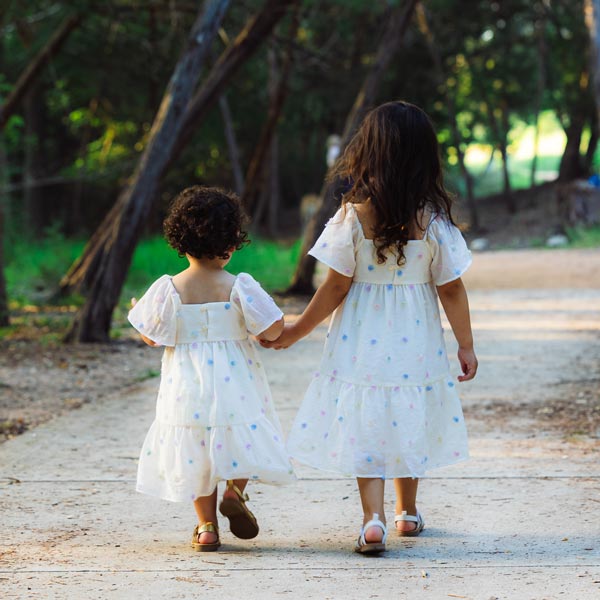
208	526
406	517
241	495
374	522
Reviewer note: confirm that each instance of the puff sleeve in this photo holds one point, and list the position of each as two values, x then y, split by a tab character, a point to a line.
258	308
336	246
451	257
154	315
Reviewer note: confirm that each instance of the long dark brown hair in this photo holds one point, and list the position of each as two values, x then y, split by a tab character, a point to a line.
393	160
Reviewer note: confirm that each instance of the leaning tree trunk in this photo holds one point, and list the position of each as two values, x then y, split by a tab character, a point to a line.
244	45
451	108
34	68
389	46
92	322
81	272
264	175
278	90
232	146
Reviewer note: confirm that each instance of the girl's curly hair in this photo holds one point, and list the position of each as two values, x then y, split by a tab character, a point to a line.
206	222
393	160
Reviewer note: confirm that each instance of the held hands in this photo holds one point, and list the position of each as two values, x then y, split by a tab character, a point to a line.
288	337
468	363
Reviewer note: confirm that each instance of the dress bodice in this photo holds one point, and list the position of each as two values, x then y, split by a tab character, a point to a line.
416	268
210	322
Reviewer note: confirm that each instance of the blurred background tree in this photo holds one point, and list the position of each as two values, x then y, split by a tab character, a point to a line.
507	84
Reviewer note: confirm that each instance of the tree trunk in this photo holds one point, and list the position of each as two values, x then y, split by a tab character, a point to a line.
35	66
278	90
274	189
232	146
246	43
264	183
540	26
4	313
508	195
451	108
92	322
592	20
500	134
592	144
389	46
570	163
34	162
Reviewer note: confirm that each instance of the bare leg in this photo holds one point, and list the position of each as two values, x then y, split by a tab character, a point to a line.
371	496
406	499
206	509
240	484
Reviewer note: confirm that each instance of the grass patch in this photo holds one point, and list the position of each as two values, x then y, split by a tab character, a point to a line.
147	374
34	267
584	237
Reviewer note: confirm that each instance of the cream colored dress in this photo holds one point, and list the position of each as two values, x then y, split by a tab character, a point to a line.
383	402
215	418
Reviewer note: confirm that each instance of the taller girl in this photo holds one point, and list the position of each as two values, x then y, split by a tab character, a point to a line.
383	404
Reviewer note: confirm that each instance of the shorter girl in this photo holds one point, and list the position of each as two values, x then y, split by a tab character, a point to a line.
215	419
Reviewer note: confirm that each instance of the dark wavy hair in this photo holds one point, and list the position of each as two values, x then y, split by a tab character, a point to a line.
393	160
206	222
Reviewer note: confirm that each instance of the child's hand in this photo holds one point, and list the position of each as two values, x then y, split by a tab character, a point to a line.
133	302
288	337
468	364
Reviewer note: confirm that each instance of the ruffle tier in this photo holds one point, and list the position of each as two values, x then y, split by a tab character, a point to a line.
182	463
379	431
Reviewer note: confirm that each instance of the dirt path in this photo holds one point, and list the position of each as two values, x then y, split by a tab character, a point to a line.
74	527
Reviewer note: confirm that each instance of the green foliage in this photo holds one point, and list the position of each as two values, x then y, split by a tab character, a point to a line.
34	267
585	237
96	100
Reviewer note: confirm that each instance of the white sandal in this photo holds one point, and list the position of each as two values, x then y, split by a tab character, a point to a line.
364	547
420	524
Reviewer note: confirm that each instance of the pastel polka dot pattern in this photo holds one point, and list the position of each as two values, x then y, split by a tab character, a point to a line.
385	404
214	416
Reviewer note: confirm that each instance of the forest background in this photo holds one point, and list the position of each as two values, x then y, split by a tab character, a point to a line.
108	109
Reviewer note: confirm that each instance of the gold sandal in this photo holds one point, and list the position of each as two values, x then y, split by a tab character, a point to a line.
242	522
209	547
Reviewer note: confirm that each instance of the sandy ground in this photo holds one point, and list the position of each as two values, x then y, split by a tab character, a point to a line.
519	521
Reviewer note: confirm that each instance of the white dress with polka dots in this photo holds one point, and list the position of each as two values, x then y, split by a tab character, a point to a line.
383	403
215	418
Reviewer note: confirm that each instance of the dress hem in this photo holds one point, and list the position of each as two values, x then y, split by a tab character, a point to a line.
363	476
187	497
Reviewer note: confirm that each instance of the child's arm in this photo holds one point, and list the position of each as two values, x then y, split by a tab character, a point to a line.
453	297
149	341
326	299
273	332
